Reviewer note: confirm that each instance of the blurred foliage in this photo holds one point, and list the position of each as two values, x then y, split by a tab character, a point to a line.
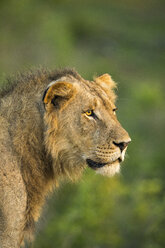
127	40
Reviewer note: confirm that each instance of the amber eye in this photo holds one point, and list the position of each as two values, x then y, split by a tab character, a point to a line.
89	112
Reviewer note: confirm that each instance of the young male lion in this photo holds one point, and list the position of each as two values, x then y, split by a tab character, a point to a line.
53	125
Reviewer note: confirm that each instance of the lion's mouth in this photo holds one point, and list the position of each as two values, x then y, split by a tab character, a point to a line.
96	165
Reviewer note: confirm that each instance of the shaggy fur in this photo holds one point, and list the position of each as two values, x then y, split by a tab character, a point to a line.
53	124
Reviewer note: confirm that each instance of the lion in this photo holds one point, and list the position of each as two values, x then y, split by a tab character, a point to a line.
54	124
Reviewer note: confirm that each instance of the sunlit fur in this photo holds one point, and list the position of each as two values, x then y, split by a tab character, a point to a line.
109	170
47	136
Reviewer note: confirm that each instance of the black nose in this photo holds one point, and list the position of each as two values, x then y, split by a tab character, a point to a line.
121	145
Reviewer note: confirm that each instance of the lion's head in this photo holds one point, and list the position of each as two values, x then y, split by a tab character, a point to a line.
81	125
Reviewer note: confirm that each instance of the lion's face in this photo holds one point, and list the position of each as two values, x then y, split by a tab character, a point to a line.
83	129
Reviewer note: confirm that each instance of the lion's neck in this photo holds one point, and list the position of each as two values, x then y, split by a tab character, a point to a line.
35	164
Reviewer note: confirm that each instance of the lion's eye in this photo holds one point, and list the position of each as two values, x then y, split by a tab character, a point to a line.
89	112
114	111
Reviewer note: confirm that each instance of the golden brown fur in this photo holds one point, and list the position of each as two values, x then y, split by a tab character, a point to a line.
53	124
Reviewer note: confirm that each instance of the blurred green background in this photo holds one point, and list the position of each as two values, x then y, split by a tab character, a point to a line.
127	40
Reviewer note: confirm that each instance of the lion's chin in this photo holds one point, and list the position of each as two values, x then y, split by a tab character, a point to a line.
109	169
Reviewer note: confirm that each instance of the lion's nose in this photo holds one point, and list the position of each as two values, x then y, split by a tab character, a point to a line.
122	145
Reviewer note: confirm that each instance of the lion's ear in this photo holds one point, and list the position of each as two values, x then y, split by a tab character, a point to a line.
106	81
58	93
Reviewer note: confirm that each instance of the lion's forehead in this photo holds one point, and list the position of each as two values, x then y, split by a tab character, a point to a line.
95	97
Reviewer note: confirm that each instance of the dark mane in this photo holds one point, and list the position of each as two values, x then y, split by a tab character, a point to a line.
35	75
54	75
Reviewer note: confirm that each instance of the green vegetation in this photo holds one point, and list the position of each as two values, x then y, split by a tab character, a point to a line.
125	39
